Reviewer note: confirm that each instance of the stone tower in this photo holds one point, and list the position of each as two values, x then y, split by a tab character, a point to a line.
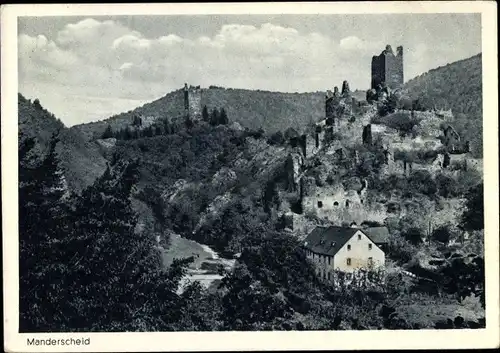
192	102
387	68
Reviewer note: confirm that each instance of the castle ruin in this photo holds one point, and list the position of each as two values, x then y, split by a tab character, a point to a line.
387	69
192	102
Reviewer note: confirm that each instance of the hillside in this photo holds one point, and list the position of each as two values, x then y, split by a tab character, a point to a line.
271	111
456	86
187	191
81	160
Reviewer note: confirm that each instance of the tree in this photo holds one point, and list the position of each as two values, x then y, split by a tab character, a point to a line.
43	230
413	235
108	132
214	117
166	127
442	234
204	114
148	132
117	281
128	133
276	138
223	119
137	121
473	216
422	181
447	187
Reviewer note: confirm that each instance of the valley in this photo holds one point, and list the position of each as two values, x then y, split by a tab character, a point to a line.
204	201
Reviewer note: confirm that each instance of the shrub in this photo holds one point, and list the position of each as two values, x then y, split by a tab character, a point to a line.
442	234
413	235
403	122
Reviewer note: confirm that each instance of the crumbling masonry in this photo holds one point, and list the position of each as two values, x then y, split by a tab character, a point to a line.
192	102
387	69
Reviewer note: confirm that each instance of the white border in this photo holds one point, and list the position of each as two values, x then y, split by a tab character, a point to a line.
223	341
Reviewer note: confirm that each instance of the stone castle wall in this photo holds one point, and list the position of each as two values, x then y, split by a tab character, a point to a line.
192	102
388	68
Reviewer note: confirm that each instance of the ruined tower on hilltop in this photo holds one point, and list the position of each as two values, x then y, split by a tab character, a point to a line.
388	68
192	102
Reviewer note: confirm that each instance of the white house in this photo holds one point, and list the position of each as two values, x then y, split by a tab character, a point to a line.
340	249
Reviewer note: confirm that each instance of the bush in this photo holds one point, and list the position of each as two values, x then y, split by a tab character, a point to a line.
473	216
447	187
442	234
276	139
413	235
400	249
403	122
422	181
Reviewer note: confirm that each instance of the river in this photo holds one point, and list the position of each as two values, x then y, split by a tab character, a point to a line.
204	267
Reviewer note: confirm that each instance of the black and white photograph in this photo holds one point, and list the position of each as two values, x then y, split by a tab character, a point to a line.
265	171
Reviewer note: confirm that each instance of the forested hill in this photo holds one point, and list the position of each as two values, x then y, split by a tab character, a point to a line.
456	86
271	111
81	160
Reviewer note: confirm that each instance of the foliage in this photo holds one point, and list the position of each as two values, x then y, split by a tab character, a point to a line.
456	86
276	139
204	114
463	278
421	181
400	249
473	216
442	234
447	186
82	162
413	235
401	121
43	228
108	132
83	266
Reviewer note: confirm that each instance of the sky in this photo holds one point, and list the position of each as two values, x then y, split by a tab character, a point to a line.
88	68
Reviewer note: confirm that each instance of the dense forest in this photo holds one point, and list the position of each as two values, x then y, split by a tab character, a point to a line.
456	86
80	159
271	111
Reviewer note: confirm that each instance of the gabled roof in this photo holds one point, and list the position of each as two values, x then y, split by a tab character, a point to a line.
328	240
379	235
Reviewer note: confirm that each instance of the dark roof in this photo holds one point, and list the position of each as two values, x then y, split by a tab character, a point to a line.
328	240
379	235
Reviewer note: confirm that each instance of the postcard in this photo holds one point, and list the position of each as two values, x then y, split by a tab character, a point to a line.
254	176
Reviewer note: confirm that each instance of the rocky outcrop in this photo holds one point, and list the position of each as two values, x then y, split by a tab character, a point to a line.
294	164
224	178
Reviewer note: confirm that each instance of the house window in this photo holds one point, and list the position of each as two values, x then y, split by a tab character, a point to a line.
329	261
370	261
346	203
369	246
328	275
320	204
349	247
359	236
348	261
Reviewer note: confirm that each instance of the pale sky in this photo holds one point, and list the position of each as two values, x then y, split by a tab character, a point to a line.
88	68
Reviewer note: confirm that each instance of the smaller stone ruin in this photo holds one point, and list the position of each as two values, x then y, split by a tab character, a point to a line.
345	89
